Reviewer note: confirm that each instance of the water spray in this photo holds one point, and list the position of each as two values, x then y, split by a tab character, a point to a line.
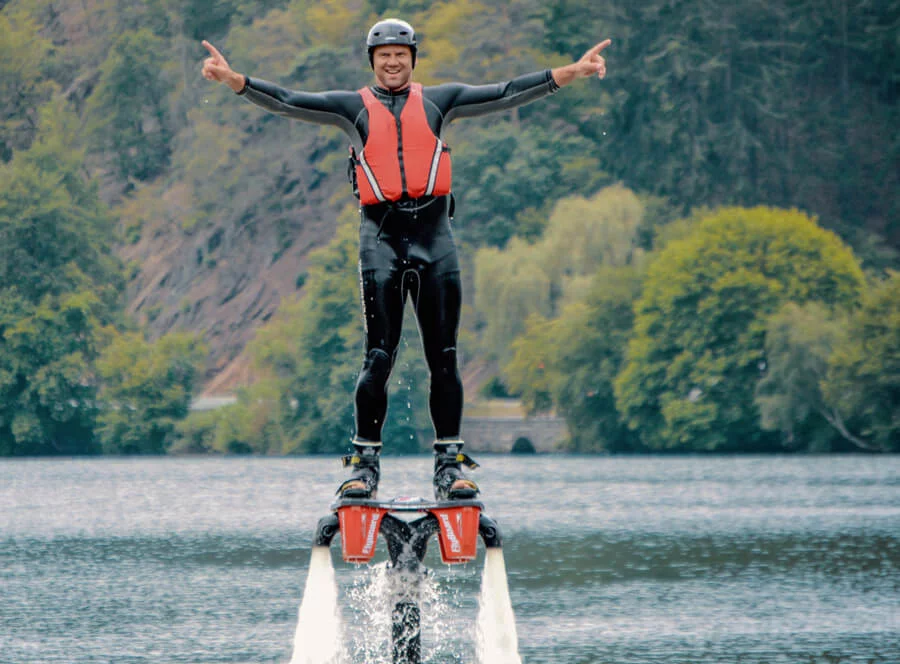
457	524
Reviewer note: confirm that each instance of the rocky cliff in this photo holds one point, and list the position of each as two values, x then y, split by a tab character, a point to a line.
225	276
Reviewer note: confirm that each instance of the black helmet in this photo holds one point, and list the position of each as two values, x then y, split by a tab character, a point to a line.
391	31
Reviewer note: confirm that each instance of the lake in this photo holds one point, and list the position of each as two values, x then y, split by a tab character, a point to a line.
616	560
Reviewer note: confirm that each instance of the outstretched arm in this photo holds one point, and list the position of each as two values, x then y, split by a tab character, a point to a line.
216	68
456	100
335	107
591	63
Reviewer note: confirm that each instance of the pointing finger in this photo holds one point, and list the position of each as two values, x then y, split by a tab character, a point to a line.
213	51
599	47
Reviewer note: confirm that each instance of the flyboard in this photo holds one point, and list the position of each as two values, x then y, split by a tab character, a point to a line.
407	526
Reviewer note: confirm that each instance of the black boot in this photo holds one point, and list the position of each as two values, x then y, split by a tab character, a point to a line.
363	482
449	481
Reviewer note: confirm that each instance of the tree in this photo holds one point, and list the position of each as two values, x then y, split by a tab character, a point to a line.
864	371
531	353
60	290
203	20
254	424
129	111
501	40
508	178
698	346
799	343
23	85
510	286
572	361
313	348
146	391
791	103
47	383
55	232
582	234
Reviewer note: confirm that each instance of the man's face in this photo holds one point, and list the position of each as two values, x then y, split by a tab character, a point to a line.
393	66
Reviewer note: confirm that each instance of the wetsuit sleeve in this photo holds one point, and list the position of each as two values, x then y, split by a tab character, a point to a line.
458	100
336	107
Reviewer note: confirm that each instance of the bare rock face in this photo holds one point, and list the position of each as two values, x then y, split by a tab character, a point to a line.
226	277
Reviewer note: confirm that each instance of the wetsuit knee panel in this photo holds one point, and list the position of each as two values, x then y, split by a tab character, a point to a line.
377	364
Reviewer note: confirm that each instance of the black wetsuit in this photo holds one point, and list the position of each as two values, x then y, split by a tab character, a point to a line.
406	248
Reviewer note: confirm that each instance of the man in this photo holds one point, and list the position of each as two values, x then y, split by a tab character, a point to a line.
400	169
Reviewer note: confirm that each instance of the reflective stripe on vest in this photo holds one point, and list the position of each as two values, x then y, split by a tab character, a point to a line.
425	169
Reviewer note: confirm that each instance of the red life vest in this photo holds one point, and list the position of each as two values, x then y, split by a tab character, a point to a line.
426	159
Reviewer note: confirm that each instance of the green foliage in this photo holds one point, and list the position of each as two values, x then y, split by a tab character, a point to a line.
526	372
129	110
704	105
202	19
693	108
59	292
54	229
526	279
510	286
864	372
23	85
506	174
257	423
584	233
196	433
47	387
313	348
479	41
495	388
777	101
146	391
697	350
799	343
572	361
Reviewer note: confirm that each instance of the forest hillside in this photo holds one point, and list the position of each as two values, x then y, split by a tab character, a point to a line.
173	209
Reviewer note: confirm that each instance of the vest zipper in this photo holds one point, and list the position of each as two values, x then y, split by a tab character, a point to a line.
399	143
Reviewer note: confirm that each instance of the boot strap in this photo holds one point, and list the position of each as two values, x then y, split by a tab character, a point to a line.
467	460
357	461
453	459
445	457
365	454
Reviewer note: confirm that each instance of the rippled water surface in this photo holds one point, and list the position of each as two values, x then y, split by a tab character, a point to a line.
613	560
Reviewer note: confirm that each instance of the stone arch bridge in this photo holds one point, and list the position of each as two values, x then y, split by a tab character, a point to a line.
498	434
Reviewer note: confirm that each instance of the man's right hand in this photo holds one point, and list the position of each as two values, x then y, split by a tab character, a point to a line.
216	68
